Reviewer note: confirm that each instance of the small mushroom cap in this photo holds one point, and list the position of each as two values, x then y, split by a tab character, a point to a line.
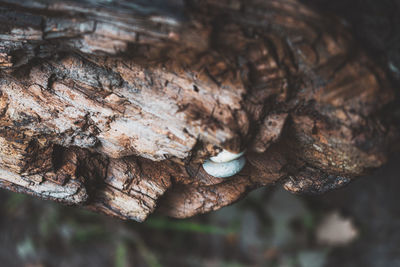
226	156
224	169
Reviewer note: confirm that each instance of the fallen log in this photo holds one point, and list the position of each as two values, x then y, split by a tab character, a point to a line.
114	105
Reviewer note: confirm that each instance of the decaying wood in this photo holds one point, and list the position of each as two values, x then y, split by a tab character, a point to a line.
114	105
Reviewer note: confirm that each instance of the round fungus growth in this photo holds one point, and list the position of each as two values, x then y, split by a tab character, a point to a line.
225	164
226	156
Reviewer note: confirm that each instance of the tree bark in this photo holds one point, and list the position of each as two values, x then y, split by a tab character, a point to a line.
114	105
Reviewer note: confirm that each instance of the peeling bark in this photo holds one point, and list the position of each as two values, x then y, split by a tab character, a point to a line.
114	105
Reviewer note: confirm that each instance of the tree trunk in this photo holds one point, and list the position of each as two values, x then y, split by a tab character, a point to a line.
114	105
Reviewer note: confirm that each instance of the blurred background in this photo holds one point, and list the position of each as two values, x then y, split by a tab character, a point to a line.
354	226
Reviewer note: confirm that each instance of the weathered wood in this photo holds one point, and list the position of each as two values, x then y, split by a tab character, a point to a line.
114	105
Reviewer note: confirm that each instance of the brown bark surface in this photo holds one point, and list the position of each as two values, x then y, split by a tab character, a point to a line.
114	105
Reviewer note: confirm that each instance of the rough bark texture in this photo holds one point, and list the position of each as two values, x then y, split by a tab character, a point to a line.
114	105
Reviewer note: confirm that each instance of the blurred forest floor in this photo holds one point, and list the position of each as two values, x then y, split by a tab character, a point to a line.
270	227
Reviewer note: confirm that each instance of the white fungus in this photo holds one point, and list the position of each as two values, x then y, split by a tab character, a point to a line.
226	156
225	164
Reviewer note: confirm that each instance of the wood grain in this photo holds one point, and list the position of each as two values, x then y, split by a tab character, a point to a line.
114	105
